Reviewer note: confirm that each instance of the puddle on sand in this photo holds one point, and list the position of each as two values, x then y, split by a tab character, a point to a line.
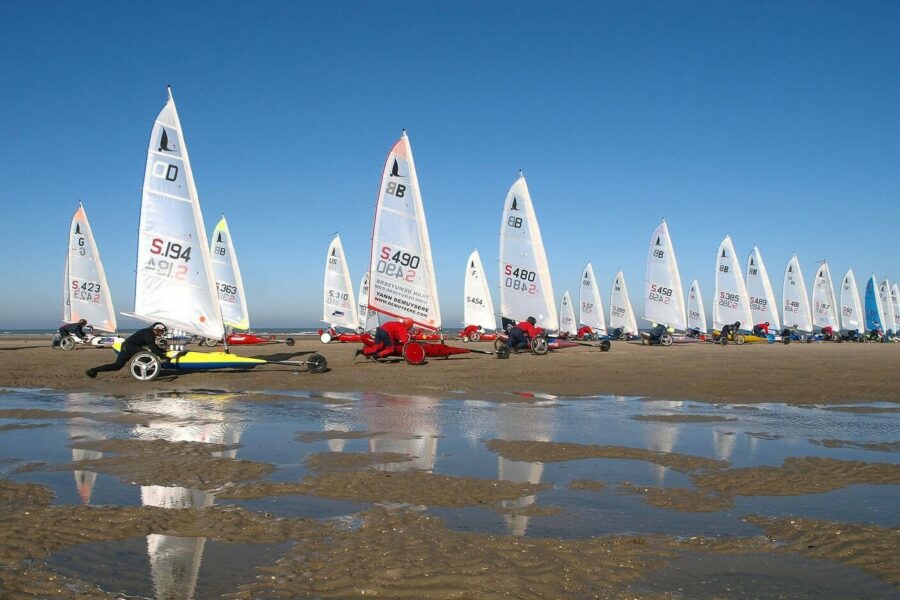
446	437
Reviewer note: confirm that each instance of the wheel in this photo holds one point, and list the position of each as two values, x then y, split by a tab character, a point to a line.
316	363
325	337
414	353
145	366
475	336
210	342
67	343
289	341
809	340
723	340
498	343
666	339
644	341
503	352
739	339
539	345
464	339
785	340
605	346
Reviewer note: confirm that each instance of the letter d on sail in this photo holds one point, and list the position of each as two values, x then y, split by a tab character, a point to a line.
164	170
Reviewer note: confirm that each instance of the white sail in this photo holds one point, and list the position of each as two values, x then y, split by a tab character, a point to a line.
895	305
339	307
525	286
823	300
795	307
479	308
763	305
888	318
567	315
402	280
663	294
229	285
696	315
621	314
87	293
852	315
175	282
367	317
591	310
731	303
67	299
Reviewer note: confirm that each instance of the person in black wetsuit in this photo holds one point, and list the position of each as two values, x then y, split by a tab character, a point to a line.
142	339
74	329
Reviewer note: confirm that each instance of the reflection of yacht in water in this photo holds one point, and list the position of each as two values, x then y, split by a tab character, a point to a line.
410	425
723	444
662	437
175	561
83	429
526	423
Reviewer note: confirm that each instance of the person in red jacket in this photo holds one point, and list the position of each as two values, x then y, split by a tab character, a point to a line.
761	329
585	332
521	334
388	340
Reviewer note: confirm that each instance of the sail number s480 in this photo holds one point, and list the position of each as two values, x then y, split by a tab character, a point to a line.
519	279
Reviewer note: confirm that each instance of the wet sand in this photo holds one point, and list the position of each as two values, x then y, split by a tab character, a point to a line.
797	373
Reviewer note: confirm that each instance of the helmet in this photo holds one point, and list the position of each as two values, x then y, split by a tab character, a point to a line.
532	320
737	324
767	323
156	326
82	322
406	322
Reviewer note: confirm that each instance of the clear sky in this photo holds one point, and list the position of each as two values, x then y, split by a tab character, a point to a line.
776	122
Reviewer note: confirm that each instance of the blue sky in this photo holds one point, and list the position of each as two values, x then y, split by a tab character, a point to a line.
778	123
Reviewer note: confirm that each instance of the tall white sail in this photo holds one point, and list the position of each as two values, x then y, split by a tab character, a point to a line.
229	284
340	309
888	318
87	293
401	271
696	313
796	303
591	310
731	303
852	315
525	286
824	303
479	308
368	318
763	305
895	305
175	282
567	322
663	294
621	314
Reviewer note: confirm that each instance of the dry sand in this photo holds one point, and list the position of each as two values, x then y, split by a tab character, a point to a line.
797	373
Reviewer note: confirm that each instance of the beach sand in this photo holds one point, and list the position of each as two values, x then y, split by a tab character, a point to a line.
796	374
396	549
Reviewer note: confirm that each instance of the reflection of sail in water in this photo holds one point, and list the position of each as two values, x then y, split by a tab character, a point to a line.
175	561
336	445
521	423
662	437
83	429
410	425
723	444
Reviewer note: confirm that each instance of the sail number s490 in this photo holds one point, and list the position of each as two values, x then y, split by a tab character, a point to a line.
401	265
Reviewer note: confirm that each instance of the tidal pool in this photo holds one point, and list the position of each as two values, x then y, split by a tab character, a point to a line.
608	493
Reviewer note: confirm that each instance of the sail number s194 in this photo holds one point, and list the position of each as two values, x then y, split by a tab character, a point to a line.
168	253
401	265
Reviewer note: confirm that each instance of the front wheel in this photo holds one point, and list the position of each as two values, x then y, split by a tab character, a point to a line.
498	343
289	341
539	345
325	337
464	339
785	340
475	336
739	338
414	353
67	343
503	352
210	342
666	339
316	363
145	366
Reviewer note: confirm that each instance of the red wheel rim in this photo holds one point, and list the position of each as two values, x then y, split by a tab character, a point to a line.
414	354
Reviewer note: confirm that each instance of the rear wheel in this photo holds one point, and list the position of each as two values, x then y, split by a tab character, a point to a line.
723	340
325	338
475	336
785	339
414	353
666	339
498	343
503	352
316	363
539	345
739	338
67	343
605	346
145	366
210	342
289	341
464	339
